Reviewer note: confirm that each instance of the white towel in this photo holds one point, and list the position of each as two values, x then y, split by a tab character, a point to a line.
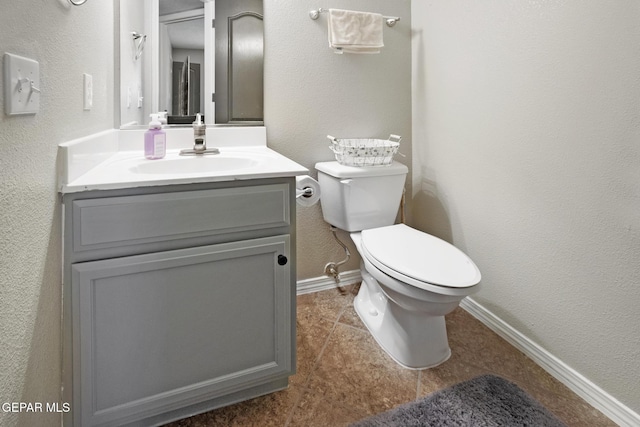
355	32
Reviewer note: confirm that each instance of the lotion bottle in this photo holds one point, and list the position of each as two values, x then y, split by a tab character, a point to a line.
199	134
155	140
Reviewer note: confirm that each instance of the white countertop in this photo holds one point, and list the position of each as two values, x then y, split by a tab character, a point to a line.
113	160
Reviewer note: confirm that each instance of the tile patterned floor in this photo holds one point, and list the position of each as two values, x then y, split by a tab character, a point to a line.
343	376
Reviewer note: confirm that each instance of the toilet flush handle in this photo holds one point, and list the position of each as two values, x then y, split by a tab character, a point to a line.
346	181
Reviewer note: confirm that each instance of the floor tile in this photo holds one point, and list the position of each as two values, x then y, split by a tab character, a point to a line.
311	337
327	304
314	410
264	411
343	375
355	371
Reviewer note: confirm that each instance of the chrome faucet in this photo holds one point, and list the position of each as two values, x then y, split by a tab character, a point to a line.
199	140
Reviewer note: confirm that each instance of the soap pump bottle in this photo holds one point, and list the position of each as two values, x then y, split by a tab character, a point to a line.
199	134
155	140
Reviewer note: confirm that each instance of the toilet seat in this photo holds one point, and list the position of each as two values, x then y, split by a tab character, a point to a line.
417	258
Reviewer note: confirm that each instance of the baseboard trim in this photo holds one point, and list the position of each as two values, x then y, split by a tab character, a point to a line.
590	392
323	283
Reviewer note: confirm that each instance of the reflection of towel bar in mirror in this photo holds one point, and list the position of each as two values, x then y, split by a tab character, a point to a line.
314	14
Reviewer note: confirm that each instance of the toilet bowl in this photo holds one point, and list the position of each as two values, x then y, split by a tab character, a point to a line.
410	279
407	319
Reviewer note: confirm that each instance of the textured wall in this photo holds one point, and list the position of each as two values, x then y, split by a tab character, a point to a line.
311	92
526	126
67	41
131	70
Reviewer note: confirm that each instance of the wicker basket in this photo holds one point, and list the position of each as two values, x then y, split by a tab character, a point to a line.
365	151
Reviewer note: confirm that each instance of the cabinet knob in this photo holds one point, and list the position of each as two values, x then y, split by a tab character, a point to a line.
282	260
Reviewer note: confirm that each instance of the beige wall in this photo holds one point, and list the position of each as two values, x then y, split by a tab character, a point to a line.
526	155
311	92
67	41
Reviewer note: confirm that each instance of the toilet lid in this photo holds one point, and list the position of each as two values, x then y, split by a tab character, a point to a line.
415	257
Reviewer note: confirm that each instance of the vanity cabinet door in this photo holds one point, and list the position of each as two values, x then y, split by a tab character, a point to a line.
161	331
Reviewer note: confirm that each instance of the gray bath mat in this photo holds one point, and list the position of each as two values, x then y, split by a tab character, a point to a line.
487	400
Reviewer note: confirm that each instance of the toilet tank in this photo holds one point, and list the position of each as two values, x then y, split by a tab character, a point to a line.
358	198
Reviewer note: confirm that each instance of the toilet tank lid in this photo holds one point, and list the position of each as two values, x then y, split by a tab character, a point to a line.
337	170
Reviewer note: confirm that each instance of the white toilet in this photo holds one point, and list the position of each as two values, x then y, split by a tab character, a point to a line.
410	279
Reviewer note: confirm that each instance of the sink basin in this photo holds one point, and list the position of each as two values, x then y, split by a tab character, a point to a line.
196	164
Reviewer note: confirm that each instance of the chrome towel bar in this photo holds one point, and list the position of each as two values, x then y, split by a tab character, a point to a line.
314	14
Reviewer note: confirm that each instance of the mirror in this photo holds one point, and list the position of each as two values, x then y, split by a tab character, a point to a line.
188	67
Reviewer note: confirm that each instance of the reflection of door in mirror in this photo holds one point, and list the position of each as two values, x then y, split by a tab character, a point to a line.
239	61
181	59
186	88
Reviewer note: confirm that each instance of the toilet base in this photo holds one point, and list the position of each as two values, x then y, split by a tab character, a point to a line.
412	338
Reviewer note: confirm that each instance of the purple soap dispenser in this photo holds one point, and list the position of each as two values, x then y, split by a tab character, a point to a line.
155	140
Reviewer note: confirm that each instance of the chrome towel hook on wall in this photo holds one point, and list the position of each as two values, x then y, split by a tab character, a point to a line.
77	2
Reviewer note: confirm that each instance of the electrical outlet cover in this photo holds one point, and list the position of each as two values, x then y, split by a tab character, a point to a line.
21	85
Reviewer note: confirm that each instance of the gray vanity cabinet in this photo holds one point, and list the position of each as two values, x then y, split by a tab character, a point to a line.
177	299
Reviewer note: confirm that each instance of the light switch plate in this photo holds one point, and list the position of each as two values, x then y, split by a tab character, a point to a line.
88	91
21	85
